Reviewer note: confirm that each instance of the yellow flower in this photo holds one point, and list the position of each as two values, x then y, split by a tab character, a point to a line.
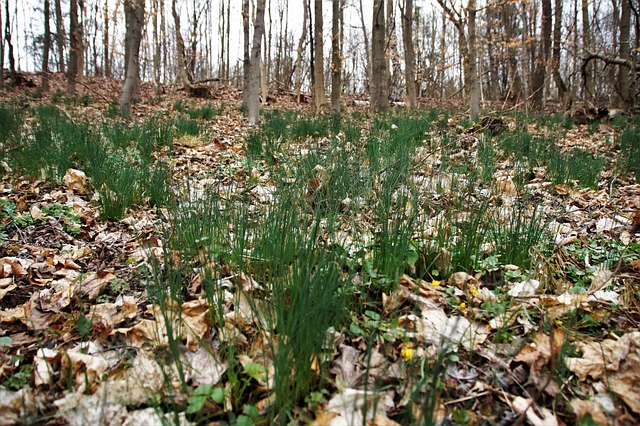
474	291
435	283
407	353
558	322
463	305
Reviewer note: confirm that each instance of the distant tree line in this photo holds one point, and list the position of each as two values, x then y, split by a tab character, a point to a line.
532	54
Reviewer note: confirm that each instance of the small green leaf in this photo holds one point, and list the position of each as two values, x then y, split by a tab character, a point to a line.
244	421
251	411
6	340
196	403
256	371
373	315
217	395
203	390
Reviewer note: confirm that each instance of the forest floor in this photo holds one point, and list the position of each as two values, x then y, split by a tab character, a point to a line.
183	267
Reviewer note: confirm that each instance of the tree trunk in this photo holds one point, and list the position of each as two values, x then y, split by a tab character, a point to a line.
254	65
516	89
133	67
394	68
468	52
379	89
7	38
74	71
46	46
409	54
318	71
246	68
60	40
336	55
624	88
587	71
106	63
155	4
191	68
298	72
472	79
1	53
182	65
223	45
367	49
540	72
563	93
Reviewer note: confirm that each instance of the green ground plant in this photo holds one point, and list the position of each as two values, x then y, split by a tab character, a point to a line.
629	159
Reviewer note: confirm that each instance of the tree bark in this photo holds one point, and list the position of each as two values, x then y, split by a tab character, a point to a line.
155	4
46	46
106	63
182	64
298	72
7	38
624	87
468	49
336	55
563	93
254	66
379	89
1	53
540	72
60	40
318	80
75	68
472	80
409	54
367	49
587	71
517	85
246	69
133	67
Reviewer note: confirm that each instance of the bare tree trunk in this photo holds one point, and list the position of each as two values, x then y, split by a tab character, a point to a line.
624	87
60	40
563	93
336	55
468	52
409	54
247	58
133	67
266	56
517	86
443	58
587	72
106	63
182	65
318	80
472	78
46	46
367	49
223	31
97	69
7	38
114	42
379	89
74	71
156	48
191	68
298	72
1	53
254	66
394	68
279	47
227	73
540	71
